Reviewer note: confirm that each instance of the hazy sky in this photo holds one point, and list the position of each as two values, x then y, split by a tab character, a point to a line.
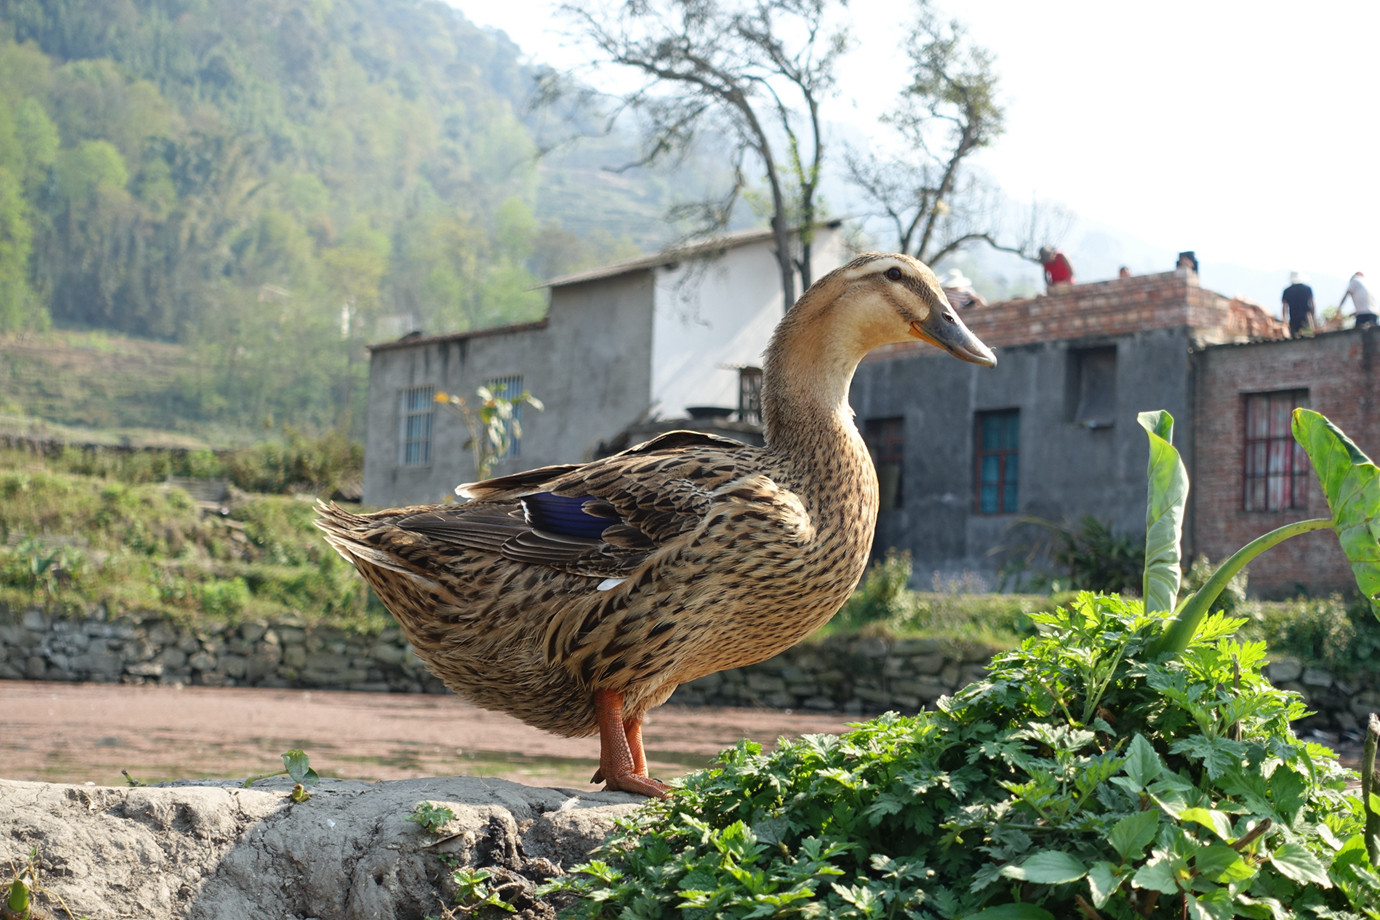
1244	131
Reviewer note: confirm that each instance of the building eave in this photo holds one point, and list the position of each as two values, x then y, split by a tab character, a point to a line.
422	341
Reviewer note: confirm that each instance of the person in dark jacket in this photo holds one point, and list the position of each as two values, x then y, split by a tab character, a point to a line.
1296	305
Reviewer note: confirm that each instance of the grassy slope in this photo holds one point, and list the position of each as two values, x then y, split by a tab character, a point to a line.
101	388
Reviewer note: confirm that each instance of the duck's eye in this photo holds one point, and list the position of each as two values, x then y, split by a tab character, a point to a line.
894	273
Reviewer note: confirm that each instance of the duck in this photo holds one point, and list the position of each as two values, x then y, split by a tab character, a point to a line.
577	597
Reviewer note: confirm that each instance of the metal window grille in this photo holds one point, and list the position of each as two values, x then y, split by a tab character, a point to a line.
416	417
997	457
750	395
1276	470
509	387
886	441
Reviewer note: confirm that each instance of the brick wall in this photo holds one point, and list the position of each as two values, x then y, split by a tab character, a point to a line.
1338	369
1117	307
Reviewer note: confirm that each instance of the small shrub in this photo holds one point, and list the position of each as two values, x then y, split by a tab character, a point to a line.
1337	633
1086	556
224	599
882	597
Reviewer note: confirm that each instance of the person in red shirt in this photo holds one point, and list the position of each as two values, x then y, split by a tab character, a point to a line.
1057	267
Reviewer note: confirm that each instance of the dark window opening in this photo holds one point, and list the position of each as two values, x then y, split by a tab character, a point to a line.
1090	397
750	395
886	441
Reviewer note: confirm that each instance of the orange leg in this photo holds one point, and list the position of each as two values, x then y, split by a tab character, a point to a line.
622	762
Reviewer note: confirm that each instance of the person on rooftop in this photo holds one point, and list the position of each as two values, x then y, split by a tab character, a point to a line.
1296	305
1362	303
1058	270
960	291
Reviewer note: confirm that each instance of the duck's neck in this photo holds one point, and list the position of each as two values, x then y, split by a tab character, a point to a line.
805	382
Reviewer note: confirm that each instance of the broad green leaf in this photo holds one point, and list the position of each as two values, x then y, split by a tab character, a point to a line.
1214	906
1351	483
1011	912
1167	496
1214	821
1220	863
1157	875
1049	867
1103	881
299	768
1295	861
1265	908
1142	763
1133	833
18	900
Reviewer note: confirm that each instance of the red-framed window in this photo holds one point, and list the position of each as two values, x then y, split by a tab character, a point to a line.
1276	469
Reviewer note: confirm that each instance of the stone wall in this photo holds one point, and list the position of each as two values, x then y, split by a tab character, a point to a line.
857	675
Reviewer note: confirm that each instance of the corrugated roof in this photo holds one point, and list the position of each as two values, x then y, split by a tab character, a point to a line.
413	340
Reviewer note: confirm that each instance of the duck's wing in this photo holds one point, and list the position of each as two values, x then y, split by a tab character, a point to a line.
600	519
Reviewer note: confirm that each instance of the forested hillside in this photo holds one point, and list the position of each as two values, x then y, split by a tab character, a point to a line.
272	184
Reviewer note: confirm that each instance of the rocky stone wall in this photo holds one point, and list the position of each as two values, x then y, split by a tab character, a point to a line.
856	675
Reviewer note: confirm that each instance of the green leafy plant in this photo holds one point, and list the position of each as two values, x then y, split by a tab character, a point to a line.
431	817
25	889
493	426
882	597
297	766
1084	556
475	889
1128	761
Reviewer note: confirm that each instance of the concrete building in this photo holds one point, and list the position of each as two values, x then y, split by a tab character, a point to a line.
965	453
623	351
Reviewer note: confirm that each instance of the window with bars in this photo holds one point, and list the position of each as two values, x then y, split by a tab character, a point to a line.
509	387
1276	473
750	395
886	441
997	439
417	412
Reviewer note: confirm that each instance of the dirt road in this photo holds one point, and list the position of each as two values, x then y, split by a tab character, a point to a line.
81	733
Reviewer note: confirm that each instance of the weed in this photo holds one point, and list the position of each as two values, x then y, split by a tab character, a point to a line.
474	891
296	766
431	817
25	889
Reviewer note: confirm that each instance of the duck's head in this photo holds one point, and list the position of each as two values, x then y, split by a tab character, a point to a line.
876	299
889	297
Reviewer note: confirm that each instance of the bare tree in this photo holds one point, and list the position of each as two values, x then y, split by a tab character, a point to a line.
935	204
755	74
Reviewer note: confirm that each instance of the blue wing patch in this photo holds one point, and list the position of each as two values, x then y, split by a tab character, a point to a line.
565	515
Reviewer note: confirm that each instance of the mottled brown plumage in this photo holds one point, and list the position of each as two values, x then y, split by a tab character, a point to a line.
578	597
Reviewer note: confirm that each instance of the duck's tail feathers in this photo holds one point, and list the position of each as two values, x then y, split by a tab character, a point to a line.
342	528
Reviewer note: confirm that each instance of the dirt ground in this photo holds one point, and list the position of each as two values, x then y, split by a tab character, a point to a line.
88	733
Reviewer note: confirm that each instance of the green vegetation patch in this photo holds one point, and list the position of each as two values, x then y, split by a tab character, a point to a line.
1084	776
71	542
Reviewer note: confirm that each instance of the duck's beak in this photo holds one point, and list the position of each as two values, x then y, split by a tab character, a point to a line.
945	330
